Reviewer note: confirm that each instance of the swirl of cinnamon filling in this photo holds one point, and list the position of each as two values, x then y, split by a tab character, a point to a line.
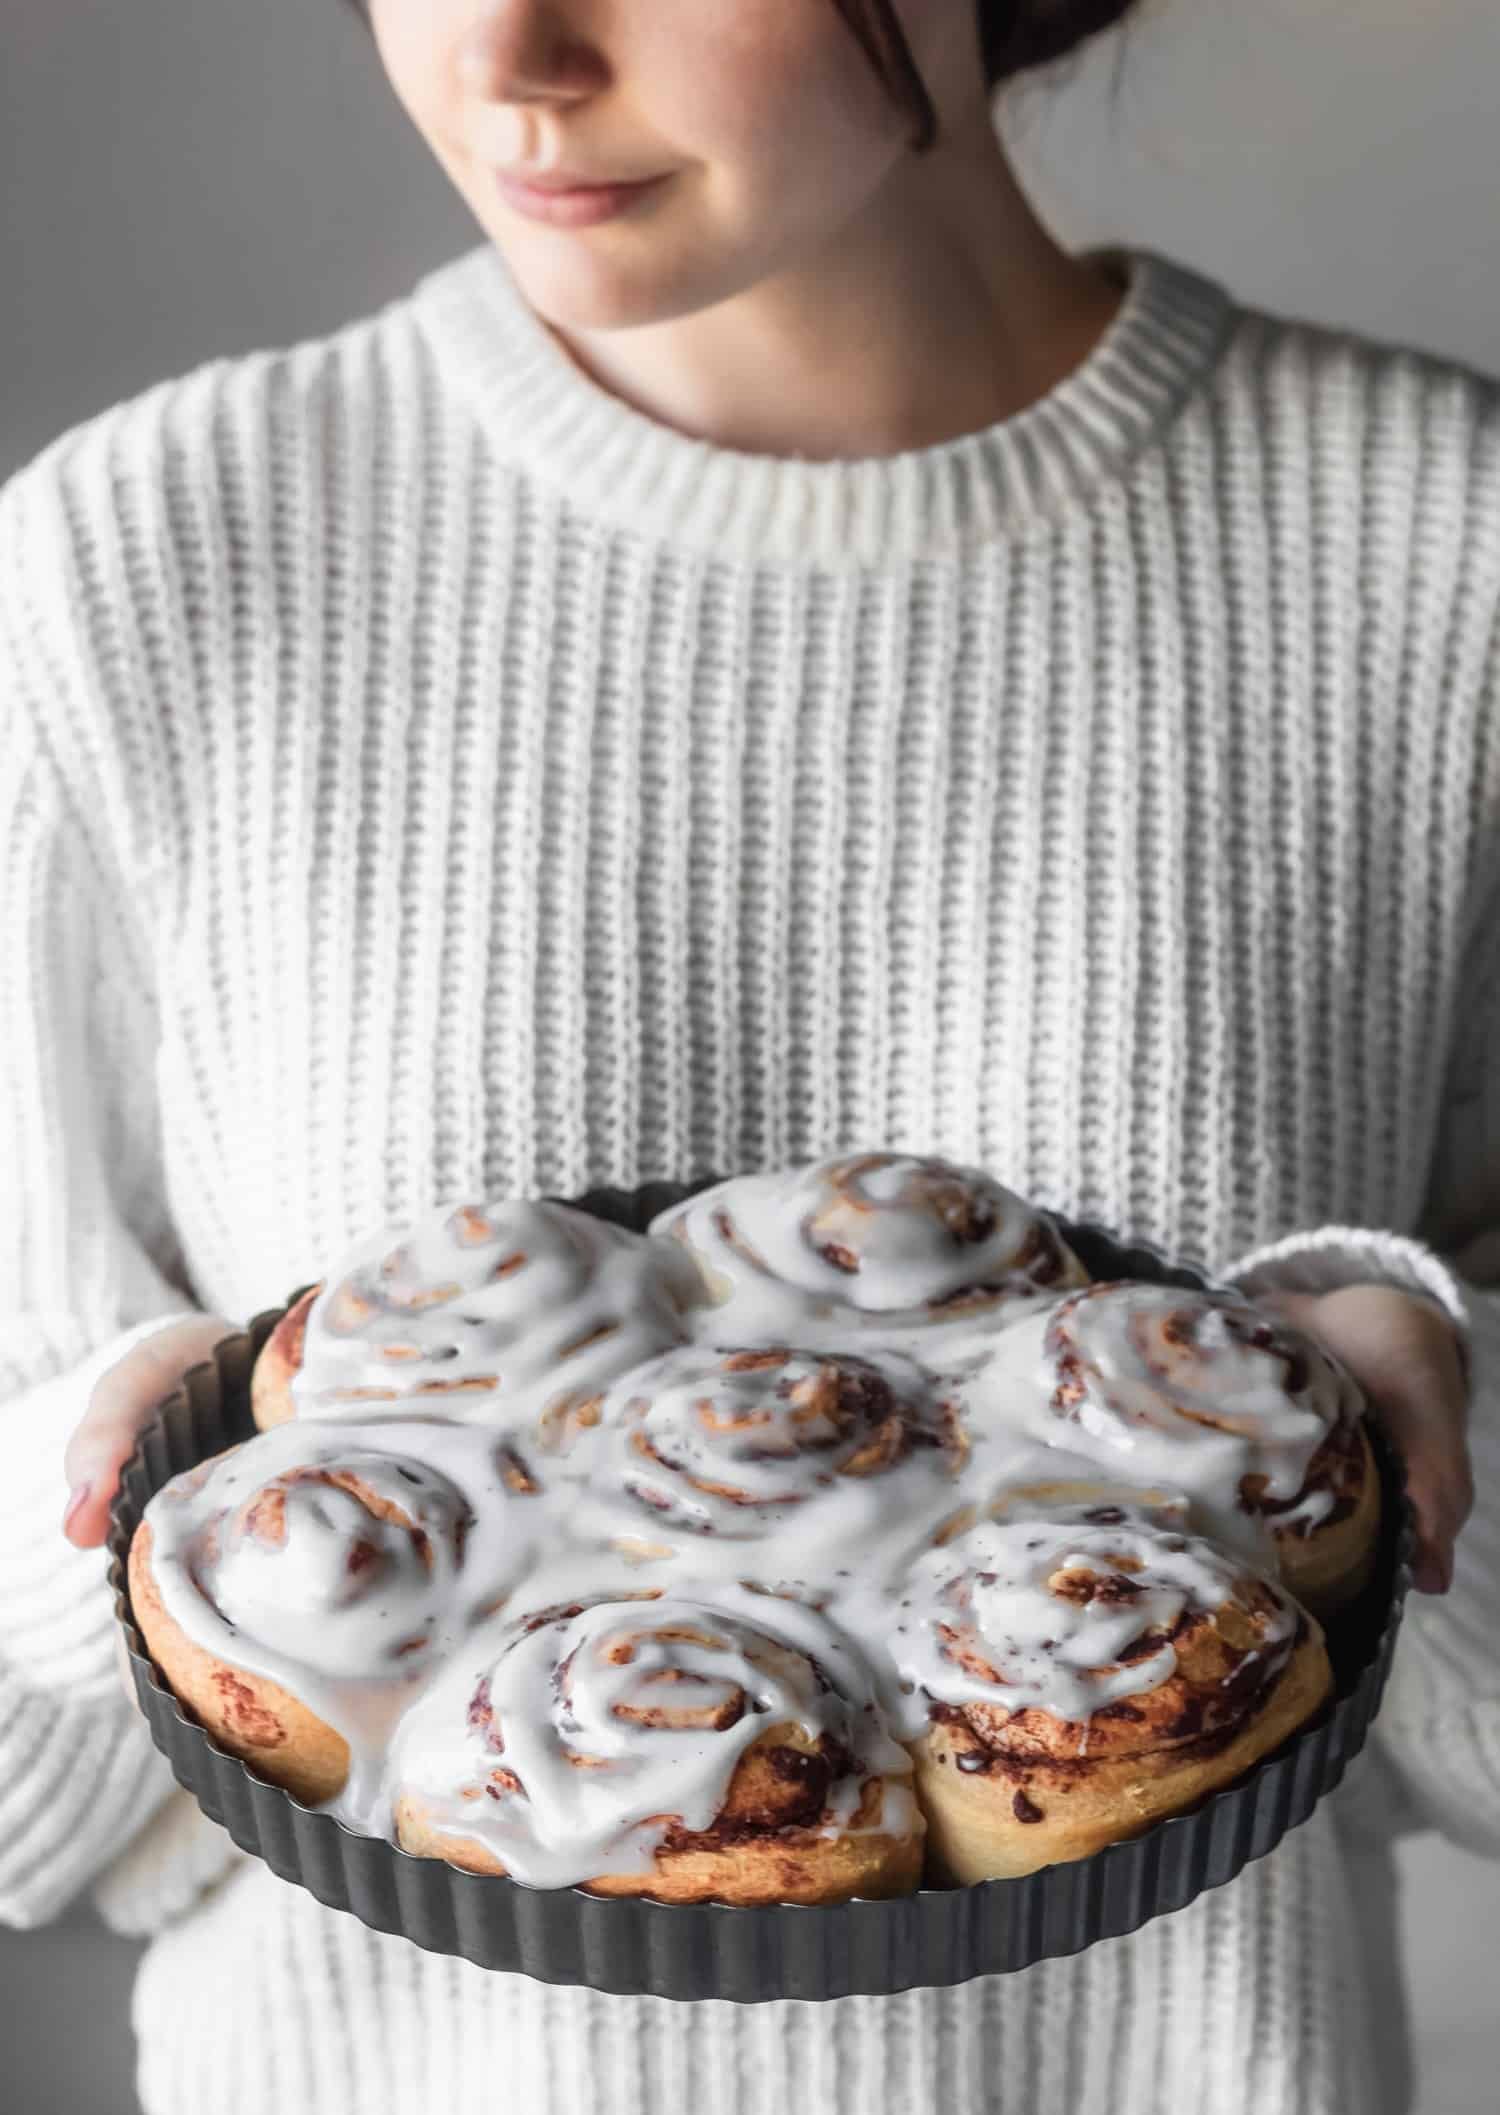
494	1310
1192	1389
1101	1633
349	1554
342	1565
590	1738
726	1443
868	1245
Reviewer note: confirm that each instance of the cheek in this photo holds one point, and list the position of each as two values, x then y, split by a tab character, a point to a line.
777	102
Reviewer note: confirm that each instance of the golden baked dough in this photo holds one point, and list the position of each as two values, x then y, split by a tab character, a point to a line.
760	1850
1024	1810
1173	1666
271	1400
252	1717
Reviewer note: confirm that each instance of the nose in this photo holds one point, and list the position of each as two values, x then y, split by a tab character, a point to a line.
525	51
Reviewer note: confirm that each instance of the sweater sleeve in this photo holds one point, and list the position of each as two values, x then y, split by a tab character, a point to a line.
85	1256
1439	1725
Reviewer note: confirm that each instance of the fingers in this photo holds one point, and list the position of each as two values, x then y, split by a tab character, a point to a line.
1403	1350
1406	1353
123	1400
1439	1481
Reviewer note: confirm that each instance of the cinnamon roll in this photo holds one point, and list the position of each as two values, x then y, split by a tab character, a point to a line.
1069	1681
799	1451
296	1589
863	1248
495	1311
1245	1412
706	1743
733	1560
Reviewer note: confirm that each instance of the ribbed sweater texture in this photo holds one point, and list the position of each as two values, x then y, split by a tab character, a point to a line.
424	776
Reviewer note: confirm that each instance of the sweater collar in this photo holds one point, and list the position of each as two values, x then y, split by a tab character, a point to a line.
608	459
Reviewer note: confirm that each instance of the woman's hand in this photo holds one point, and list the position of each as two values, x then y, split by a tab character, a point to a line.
122	1401
1404	1351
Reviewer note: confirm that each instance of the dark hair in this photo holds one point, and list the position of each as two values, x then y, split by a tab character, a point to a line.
1014	36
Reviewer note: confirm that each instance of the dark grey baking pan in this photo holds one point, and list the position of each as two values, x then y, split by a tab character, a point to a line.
628	1946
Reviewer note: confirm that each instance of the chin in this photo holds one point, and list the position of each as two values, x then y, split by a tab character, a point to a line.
589	279
575	291
582	302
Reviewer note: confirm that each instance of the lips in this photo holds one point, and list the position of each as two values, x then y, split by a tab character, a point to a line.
579	207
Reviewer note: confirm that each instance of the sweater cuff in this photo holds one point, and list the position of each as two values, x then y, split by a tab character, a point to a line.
59	1613
1331	1257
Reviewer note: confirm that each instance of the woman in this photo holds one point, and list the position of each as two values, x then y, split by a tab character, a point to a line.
777	658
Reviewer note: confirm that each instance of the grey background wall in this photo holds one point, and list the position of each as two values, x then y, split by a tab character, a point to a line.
183	178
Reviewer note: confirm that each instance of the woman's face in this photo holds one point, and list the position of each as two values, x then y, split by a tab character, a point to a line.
775	140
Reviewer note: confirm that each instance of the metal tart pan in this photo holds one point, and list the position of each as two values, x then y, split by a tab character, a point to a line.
629	1946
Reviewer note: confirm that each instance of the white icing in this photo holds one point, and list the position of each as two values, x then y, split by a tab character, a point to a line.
850	1458
1166	1386
323	1590
825	1483
352	1643
499	1310
619	1719
864	1247
996	1603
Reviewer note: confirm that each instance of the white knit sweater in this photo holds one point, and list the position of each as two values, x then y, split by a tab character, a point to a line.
423	776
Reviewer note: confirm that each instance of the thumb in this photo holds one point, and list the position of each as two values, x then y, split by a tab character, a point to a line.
123	1400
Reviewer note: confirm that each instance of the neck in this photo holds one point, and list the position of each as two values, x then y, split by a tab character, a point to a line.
946	308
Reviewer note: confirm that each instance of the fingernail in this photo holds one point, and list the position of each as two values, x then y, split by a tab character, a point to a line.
76	1498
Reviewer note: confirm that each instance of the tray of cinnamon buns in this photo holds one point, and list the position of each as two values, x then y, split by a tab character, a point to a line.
818	1581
